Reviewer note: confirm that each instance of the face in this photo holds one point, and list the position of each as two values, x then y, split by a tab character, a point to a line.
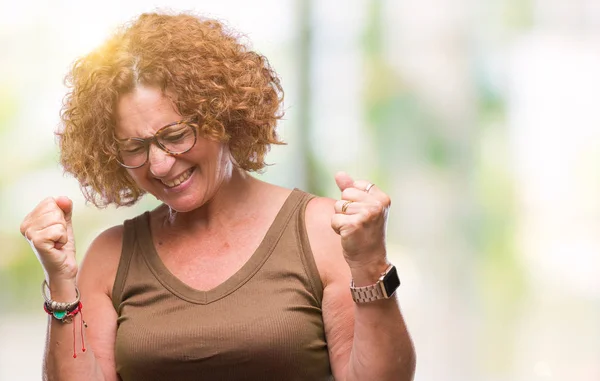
183	182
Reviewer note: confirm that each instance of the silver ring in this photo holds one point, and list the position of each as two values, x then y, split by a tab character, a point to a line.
368	188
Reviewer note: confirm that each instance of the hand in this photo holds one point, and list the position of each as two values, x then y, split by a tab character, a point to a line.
362	224
49	231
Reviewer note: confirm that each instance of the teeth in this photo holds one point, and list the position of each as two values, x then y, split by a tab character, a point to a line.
184	176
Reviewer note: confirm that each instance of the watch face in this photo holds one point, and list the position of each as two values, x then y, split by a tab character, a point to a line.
391	282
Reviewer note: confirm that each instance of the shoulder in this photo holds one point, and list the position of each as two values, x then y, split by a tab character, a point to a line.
319	211
101	261
324	241
107	241
318	214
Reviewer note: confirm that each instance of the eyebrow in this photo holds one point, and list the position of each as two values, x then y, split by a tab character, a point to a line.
187	120
124	140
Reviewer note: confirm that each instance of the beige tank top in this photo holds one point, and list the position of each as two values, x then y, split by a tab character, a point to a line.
263	323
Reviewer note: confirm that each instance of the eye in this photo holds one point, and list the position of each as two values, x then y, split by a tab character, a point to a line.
174	137
176	134
134	150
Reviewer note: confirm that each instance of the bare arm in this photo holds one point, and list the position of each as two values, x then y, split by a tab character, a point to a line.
376	347
48	229
366	341
97	362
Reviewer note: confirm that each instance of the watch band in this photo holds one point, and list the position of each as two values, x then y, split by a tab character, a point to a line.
367	293
375	291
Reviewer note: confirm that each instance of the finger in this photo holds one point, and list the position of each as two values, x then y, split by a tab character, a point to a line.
56	233
363	185
338	221
46	209
346	207
66	205
45	239
62	240
46	205
343	224
354	194
25	227
52	237
25	233
46	226
343	180
374	193
45	219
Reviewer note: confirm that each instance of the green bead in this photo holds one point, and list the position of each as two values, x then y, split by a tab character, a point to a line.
59	314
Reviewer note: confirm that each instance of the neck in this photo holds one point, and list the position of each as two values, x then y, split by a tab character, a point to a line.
228	204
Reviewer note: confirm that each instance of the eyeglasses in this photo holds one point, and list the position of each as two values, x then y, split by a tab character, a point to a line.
175	139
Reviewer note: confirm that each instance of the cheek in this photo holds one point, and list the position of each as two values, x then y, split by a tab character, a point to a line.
138	177
213	153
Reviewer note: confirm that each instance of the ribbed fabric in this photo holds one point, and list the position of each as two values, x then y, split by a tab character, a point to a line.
263	323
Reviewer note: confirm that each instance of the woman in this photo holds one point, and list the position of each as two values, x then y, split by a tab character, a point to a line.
230	278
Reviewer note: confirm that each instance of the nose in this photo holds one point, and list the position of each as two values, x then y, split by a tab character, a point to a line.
159	161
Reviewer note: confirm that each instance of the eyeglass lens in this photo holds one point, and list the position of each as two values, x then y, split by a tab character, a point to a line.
175	139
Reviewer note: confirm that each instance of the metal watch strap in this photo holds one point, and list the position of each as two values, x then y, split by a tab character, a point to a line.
366	294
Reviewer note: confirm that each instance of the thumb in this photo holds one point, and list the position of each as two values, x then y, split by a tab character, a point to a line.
343	180
66	205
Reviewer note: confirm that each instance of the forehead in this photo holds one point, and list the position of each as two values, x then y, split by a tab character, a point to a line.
143	111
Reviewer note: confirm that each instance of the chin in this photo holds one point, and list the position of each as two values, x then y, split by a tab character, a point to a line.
183	205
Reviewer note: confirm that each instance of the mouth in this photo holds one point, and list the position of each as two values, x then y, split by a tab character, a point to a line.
180	179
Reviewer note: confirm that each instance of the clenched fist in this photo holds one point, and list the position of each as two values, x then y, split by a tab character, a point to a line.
360	219
49	231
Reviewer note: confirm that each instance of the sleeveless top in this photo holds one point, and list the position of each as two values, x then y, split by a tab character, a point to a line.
263	323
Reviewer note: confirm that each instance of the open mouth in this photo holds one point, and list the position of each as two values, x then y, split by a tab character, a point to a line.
175	182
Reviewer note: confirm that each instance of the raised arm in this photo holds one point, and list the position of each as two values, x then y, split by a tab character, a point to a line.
49	230
367	341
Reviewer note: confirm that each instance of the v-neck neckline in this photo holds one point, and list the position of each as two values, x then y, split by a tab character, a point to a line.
235	281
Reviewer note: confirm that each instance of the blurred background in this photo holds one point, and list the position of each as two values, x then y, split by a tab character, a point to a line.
479	118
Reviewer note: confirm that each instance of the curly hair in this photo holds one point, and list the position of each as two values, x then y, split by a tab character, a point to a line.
232	90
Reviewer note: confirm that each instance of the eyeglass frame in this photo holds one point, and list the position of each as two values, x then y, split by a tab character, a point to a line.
154	139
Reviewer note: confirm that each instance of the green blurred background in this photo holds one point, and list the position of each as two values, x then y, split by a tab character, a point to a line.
480	119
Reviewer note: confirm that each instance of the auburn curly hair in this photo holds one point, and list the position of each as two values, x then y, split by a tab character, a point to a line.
233	91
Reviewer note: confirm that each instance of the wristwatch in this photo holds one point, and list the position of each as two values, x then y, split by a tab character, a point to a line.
383	289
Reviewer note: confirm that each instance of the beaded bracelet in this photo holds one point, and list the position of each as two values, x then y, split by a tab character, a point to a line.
53	305
65	312
65	316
